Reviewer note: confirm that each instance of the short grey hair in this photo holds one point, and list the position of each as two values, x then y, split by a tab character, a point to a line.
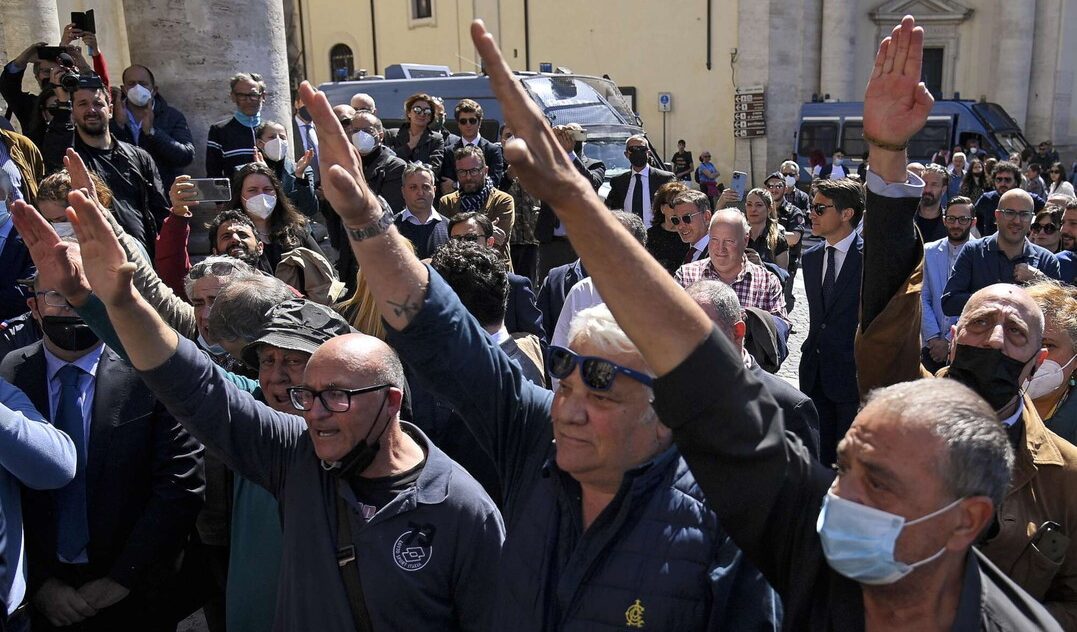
691	196
721	298
978	458
938	170
205	267
789	163
418	167
252	77
632	224
239	311
597	326
640	137
730	216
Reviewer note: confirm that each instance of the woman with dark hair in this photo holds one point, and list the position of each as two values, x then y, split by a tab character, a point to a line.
1057	182
257	191
765	235
663	242
415	141
974	183
1046	229
297	178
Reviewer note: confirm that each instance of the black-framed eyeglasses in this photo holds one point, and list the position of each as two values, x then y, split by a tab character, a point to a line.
421	111
1024	216
597	373
637	149
687	219
955	219
467	121
53	298
472	237
1046	229
819	209
217	268
335	400
248	96
470	172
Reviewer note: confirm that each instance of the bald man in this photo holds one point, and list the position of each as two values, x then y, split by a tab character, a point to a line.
373	513
363	101
1005	257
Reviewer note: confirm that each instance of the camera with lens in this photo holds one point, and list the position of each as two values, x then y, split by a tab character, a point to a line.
71	81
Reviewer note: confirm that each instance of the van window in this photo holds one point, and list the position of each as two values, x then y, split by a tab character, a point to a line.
821	135
927	141
852	139
568	99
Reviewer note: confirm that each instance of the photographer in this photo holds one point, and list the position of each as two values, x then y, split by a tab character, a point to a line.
138	202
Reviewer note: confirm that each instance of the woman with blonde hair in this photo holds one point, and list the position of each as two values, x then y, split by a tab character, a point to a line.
1053	382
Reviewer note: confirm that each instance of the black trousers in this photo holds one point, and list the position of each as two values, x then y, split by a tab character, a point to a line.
835	418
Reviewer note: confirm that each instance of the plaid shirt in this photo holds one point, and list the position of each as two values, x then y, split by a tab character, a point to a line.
755	286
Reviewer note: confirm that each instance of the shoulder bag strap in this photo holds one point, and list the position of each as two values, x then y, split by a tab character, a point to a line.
349	565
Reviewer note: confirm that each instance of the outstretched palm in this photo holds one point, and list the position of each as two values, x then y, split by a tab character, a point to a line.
105	262
896	103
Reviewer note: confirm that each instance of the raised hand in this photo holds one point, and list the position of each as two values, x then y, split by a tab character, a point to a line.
104	261
53	257
181	194
536	156
79	174
896	102
340	164
303	162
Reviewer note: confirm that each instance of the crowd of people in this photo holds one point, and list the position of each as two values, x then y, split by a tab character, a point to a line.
404	378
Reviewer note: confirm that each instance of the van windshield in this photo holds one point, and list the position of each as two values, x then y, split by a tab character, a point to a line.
610	151
583	100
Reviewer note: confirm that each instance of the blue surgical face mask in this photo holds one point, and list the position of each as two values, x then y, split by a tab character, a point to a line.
859	541
216	350
250	121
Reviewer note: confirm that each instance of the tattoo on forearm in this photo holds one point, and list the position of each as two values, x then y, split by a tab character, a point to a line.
408	308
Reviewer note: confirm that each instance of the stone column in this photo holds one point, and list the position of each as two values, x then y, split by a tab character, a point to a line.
810	24
1044	97
787	32
1014	29
193	47
837	64
23	22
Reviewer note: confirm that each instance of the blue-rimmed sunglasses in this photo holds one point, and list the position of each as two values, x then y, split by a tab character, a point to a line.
596	373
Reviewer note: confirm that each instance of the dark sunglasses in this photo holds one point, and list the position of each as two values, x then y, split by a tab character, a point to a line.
687	219
1046	229
597	373
467	121
218	269
635	149
421	111
819	209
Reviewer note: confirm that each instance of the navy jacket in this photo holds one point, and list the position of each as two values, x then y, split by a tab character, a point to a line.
15	264
981	263
491	152
828	349
521	313
171	144
656	556
555	287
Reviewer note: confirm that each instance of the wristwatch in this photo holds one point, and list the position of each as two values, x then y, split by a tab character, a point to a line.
374	228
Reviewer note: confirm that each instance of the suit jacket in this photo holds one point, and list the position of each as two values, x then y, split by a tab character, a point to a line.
594	171
555	287
521	312
144	480
934	323
27	159
619	188
490	151
500	208
798	411
827	352
15	264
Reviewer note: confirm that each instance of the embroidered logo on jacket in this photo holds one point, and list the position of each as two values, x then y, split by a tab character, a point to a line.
413	549
634	615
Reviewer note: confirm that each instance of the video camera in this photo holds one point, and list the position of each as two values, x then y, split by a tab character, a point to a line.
72	80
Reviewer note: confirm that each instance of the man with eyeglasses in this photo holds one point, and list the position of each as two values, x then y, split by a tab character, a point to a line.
793	195
1006	176
590	542
231	142
1004	257
792	218
380	527
478	193
469	121
939	259
691	217
634	189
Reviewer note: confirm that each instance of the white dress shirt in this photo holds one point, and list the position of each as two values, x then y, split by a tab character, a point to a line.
841	249
645	177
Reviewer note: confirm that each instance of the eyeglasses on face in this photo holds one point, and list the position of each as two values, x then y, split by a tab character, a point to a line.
336	400
249	96
819	209
636	149
1024	216
218	269
467	121
597	373
421	111
470	172
957	219
687	219
1046	229
53	298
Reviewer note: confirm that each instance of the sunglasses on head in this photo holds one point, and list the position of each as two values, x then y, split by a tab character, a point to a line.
218	269
687	219
1046	229
467	121
596	373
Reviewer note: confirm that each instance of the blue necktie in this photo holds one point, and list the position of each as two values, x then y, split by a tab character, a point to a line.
72	532
828	276
309	136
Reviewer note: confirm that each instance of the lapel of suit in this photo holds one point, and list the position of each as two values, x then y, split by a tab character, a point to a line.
111	392
850	271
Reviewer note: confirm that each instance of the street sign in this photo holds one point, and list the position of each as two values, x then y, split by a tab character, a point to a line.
665	101
749	112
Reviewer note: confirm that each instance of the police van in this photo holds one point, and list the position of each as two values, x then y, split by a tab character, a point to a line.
595	103
826	126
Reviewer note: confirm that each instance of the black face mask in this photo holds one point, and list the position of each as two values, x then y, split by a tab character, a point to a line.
362	455
70	333
638	159
992	374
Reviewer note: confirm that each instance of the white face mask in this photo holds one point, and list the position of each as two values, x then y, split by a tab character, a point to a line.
790	181
64	229
1048	377
364	142
261	205
275	149
139	95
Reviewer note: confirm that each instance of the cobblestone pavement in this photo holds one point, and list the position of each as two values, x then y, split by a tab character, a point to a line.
799	318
